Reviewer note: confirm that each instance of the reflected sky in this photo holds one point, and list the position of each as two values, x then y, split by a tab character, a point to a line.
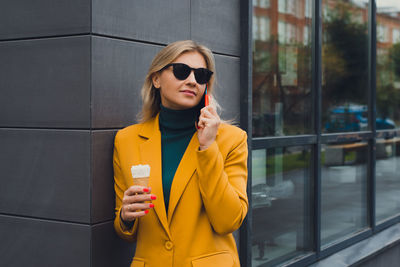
388	3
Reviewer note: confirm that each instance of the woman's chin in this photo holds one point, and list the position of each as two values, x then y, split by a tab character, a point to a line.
187	104
181	103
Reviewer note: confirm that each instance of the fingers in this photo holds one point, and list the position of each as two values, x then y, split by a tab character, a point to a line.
137	198
208	125
208	112
133	202
212	111
137	208
130	216
203	122
137	189
131	211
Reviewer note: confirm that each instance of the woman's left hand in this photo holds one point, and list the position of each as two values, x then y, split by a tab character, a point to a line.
207	127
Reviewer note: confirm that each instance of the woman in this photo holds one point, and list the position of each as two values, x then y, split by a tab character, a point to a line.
197	188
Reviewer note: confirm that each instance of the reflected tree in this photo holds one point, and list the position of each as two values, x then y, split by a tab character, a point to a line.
388	94
345	56
269	88
395	56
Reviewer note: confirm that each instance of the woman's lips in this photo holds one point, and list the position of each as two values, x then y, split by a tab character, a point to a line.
188	92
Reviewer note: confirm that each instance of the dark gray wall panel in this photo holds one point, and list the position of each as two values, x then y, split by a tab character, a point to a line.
108	249
37	243
150	20
118	72
45	174
45	83
102	176
216	24
228	86
27	18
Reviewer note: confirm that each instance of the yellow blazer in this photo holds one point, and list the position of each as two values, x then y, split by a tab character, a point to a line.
208	198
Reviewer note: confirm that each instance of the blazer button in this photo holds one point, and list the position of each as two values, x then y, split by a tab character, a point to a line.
168	245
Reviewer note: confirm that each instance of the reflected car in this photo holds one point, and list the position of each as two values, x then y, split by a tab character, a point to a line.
353	118
384	124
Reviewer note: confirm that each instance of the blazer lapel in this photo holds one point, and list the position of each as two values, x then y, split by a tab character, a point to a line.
150	152
183	174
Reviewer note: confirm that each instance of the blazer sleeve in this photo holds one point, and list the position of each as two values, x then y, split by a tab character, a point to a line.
223	184
122	230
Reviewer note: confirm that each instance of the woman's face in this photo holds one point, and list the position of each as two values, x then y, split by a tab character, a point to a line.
181	94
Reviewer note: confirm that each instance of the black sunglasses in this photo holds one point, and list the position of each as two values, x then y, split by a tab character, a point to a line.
182	71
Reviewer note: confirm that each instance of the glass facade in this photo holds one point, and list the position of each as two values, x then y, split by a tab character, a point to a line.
325	127
388	110
388	66
281	67
344	66
387	178
343	190
280	203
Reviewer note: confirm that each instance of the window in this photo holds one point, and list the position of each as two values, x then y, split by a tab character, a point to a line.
388	74
288	7
256	31
306	35
281	91
387	178
282	175
396	36
382	34
282	33
282	6
281	223
261	28
264	3
344	70
387	122
308	9
344	194
264	28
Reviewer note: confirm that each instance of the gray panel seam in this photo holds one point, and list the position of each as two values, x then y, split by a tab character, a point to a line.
48	220
45	37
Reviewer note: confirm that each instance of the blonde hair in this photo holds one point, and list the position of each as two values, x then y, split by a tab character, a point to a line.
151	96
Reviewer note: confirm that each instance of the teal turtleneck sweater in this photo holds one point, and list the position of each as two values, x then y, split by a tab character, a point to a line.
177	128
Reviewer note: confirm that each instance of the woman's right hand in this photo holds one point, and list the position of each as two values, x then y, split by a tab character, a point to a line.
133	202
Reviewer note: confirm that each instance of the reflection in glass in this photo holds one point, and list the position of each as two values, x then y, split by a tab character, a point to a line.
344	65
387	178
343	190
280	203
281	67
388	65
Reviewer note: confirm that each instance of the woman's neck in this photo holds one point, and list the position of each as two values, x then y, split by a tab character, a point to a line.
178	120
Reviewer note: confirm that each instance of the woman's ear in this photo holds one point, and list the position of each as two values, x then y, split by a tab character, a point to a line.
156	80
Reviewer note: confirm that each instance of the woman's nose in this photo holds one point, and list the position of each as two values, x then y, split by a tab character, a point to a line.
191	78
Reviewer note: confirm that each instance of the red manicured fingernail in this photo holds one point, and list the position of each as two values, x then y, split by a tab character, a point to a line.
153	197
145	190
151	205
146	211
